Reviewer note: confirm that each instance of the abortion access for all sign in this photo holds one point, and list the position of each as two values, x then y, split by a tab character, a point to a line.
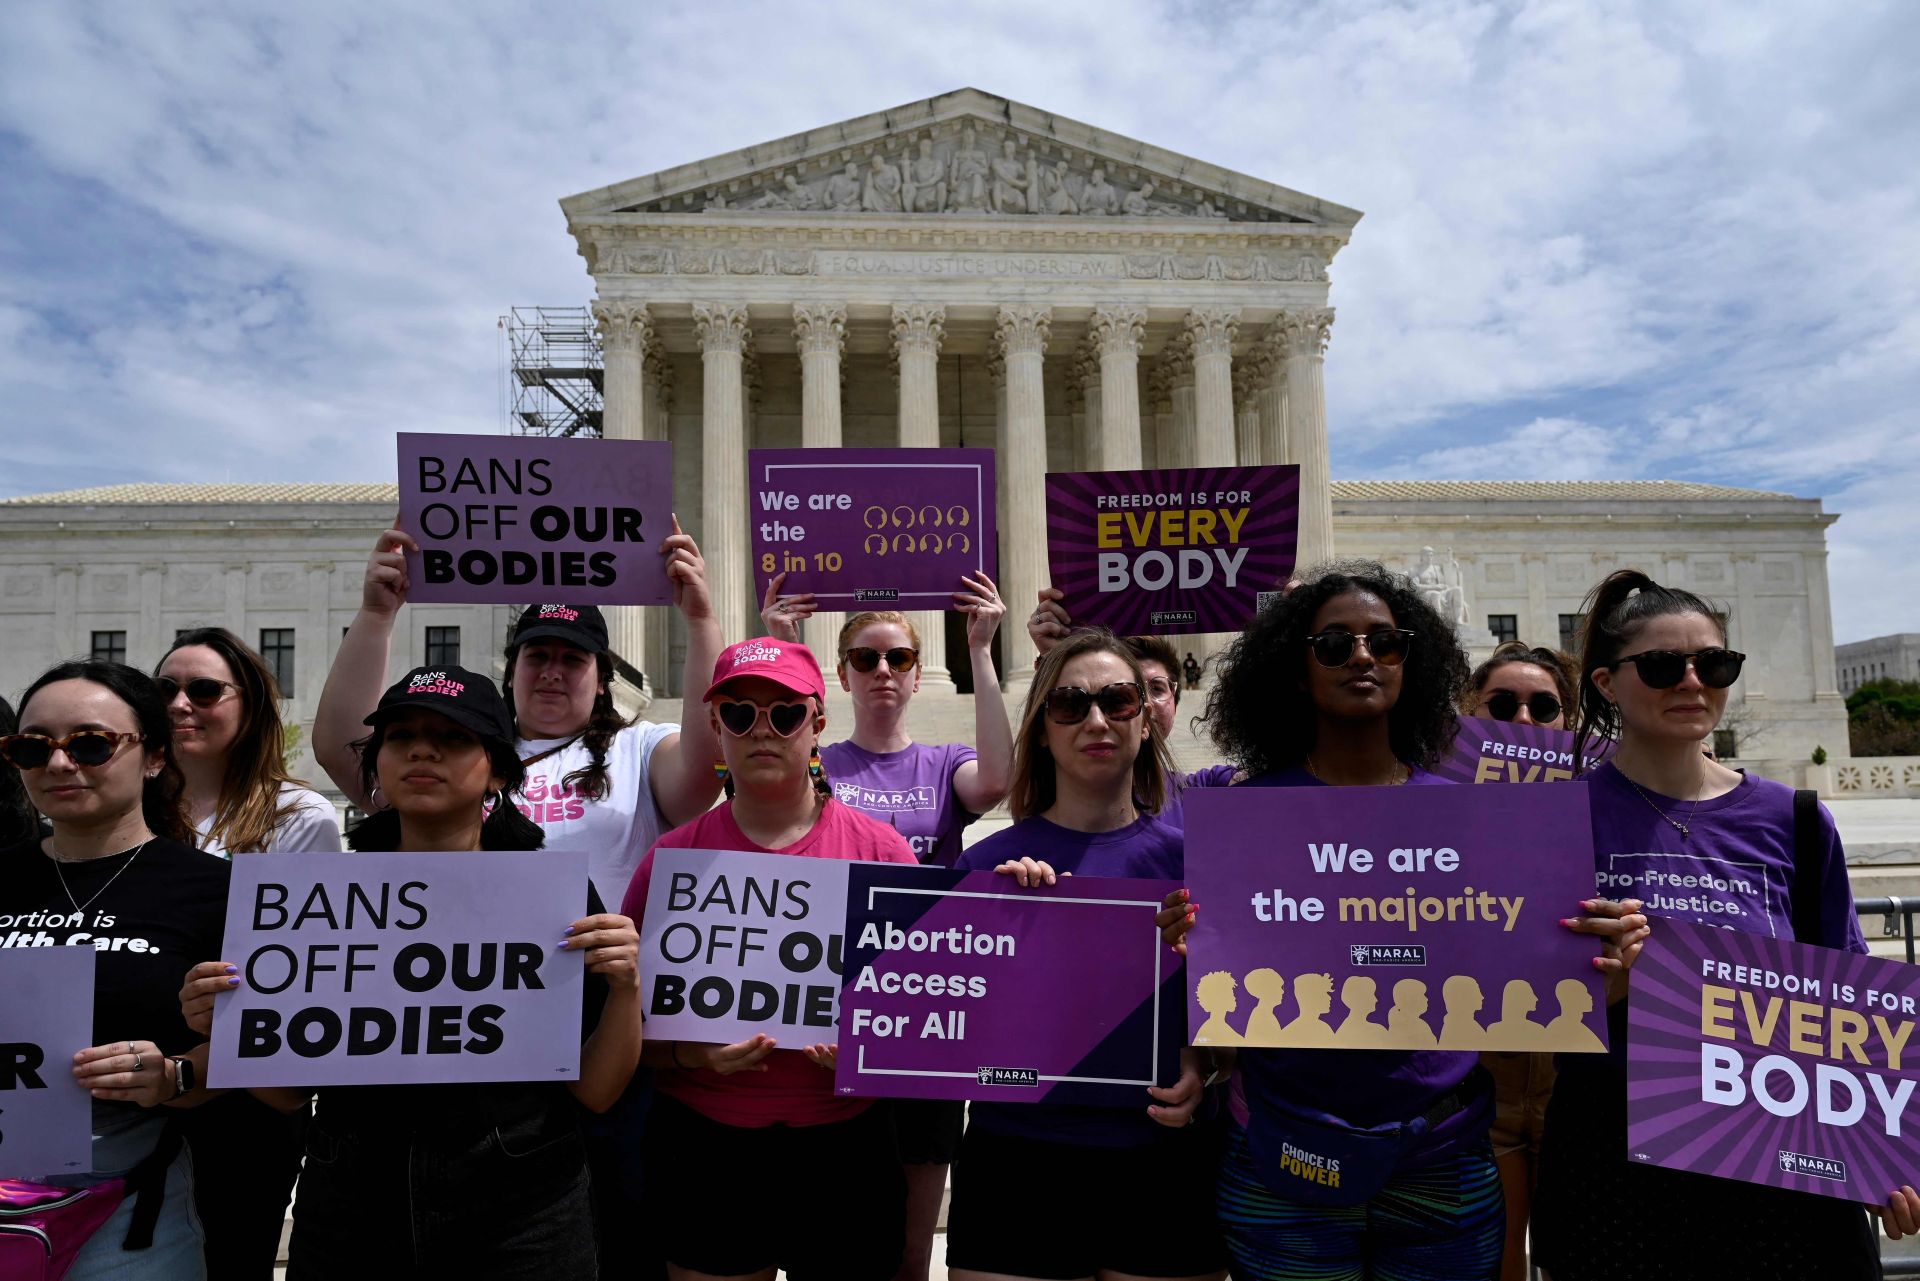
386	969
502	520
1772	1062
735	943
861	528
1392	918
962	985
1194	549
1489	751
46	1017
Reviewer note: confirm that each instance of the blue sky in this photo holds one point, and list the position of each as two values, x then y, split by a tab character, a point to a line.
1603	240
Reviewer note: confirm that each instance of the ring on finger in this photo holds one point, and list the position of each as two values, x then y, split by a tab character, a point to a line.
138	1066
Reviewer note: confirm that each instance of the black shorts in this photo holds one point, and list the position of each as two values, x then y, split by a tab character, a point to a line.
1145	1210
926	1131
822	1202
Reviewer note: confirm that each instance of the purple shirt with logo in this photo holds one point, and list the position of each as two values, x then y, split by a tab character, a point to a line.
910	790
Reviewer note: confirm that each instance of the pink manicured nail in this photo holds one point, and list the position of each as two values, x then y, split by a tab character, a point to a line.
1598	963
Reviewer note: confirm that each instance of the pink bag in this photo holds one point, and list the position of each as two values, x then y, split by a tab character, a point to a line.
42	1228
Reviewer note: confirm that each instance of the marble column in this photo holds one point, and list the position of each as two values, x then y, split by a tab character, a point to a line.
1248	377
1274	446
1303	334
723	333
1021	337
1210	333
1117	330
1159	400
657	660
1180	442
1088	381
917	331
820	335
626	337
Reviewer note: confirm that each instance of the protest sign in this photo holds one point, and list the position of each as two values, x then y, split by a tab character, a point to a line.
503	520
872	528
962	985
1771	1062
46	1017
1441	905
385	969
736	943
1489	751
1185	549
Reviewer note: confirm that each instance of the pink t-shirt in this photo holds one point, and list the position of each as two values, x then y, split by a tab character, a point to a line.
793	1090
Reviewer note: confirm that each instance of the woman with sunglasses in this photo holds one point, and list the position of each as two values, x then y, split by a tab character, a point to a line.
471	1179
1127	1191
118	871
1524	684
811	1180
1654	673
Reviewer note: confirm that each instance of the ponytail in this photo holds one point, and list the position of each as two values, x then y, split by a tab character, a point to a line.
1614	610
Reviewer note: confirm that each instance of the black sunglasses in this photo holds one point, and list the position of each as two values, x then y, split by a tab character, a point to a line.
1387	645
1069	704
1504	705
202	691
739	718
83	747
1664	668
864	658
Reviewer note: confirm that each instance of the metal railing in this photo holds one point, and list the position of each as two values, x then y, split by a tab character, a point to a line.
1897	917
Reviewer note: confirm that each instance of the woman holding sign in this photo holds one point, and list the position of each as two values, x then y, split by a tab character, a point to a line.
1124	1192
118	872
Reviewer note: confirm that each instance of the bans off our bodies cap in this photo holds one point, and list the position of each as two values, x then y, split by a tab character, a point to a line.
466	698
786	663
582	626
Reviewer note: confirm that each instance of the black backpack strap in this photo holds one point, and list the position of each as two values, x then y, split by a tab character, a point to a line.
1808	859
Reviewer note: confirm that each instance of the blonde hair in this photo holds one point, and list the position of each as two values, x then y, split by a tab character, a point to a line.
851	628
253	802
1034	782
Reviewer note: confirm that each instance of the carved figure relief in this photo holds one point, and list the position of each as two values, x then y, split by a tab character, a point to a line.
967	175
881	194
788	195
926	181
1013	179
1099	196
1055	196
843	189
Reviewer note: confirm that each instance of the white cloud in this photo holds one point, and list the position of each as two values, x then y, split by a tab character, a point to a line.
1544	449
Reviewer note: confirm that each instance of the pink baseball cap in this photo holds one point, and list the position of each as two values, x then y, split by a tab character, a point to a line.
786	663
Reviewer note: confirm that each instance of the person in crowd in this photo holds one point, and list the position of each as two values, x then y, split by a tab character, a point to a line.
1528	686
1191	669
928	794
18	821
811	1180
95	752
1655	668
481	1179
1124	1192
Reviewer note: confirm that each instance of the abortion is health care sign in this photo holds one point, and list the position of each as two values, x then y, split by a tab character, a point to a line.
1413	917
962	985
502	520
861	528
383	969
1772	1062
1192	549
46	1015
1489	751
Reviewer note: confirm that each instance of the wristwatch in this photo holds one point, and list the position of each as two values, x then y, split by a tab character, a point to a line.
182	1076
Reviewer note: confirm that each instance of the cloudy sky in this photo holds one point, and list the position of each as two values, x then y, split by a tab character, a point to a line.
1603	240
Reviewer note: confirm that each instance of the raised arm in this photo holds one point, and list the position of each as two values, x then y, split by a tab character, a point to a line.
982	783
359	671
682	766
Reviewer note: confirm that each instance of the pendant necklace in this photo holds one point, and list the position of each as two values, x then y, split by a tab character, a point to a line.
78	907
1683	828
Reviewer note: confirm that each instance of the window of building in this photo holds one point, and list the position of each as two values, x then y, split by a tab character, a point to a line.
1570	625
443	647
276	646
1725	745
110	647
1505	627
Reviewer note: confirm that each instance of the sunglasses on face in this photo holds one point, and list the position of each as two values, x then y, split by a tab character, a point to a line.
1069	704
1504	705
864	658
83	747
1387	645
1664	668
202	691
738	718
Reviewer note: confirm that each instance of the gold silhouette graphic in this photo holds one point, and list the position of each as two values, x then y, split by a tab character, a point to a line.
1515	1031
1361	996
1217	996
1568	1031
1313	993
1460	1030
1268	989
1406	1021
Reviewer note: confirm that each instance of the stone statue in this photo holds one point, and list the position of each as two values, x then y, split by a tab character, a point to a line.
1055	198
1012	180
1134	203
967	176
843	189
881	193
716	200
1441	588
926	181
789	195
1206	210
1099	196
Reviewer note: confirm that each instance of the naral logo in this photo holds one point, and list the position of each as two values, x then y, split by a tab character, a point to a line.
1388	953
1008	1076
877	593
1168	617
1814	1167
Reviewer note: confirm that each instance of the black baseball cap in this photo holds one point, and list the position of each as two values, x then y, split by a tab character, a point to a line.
466	698
582	626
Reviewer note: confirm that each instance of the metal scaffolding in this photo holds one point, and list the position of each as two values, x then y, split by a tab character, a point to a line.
553	372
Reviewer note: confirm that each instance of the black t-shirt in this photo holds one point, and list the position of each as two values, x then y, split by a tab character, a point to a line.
151	914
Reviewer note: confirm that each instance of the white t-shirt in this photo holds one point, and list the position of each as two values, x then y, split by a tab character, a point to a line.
313	826
618	829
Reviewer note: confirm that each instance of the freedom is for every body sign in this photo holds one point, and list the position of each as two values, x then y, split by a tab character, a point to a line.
962	985
386	969
872	527
502	520
1489	751
1772	1062
46	1016
1391	918
1171	551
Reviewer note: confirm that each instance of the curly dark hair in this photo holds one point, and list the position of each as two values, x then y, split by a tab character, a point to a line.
1261	716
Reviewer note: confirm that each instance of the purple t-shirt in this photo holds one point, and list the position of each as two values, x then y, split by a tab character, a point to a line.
1174	813
1145	847
910	790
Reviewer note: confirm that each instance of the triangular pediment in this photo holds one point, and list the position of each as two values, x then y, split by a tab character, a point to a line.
965	153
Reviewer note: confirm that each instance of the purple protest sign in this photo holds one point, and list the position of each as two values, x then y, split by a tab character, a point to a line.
46	1017
1490	751
736	943
385	969
1186	549
503	520
1771	1062
961	985
861	528
1442	904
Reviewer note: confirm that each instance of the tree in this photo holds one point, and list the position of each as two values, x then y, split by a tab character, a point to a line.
1883	718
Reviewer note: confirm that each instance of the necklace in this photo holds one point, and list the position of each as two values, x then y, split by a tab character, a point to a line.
1398	775
1682	828
79	907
